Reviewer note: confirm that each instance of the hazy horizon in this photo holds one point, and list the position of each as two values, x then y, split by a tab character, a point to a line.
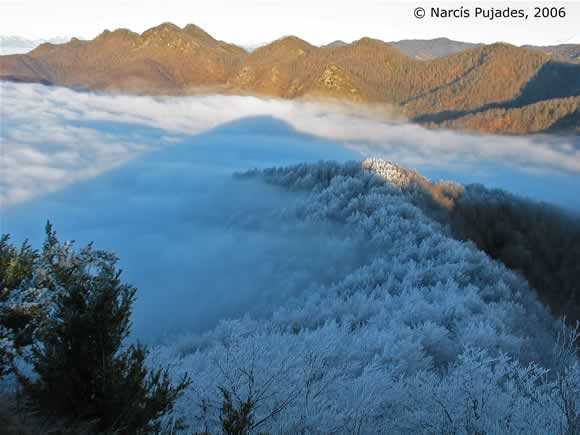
252	45
269	21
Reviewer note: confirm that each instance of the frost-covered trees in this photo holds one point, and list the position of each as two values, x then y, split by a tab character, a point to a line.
426	335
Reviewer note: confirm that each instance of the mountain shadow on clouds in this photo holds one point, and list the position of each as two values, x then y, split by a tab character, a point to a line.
186	231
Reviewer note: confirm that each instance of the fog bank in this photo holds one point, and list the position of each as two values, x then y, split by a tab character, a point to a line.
52	137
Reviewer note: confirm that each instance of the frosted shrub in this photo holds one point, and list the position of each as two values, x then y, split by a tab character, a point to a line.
64	316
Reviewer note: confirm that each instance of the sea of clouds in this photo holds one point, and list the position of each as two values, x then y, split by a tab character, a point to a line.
151	179
322	288
54	136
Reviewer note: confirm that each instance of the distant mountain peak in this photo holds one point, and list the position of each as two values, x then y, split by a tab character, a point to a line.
292	40
335	44
198	32
369	41
163	27
375	45
121	32
501	45
285	46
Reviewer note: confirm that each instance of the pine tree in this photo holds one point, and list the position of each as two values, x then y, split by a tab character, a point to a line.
237	419
84	372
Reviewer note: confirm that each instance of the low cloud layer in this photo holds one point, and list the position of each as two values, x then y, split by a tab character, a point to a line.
151	179
52	137
199	245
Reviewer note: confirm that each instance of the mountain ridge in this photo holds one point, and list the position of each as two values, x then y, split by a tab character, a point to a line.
441	91
428	49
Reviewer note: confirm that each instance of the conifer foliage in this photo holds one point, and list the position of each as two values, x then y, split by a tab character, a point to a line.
83	372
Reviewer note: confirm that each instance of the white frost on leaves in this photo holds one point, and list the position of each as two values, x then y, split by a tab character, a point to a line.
33	299
429	335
